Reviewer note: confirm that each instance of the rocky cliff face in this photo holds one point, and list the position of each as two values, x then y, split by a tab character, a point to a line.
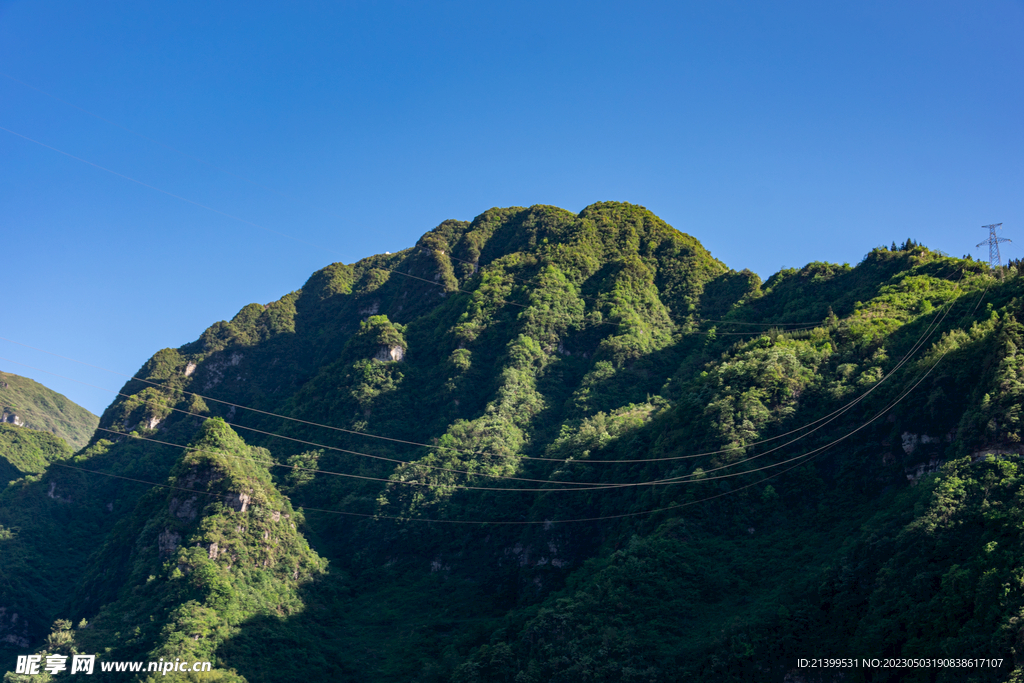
8	416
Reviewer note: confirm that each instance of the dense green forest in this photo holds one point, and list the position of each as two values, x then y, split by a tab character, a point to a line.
545	446
28	451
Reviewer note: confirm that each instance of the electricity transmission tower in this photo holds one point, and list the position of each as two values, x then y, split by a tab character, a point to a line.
993	247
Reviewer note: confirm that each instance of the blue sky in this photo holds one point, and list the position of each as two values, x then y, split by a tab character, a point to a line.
775	133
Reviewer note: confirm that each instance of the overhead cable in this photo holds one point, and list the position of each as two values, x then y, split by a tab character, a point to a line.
838	411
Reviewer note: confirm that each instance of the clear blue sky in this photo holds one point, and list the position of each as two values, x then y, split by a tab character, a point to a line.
775	133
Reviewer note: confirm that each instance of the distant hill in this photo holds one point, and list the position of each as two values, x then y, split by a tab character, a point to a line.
27	403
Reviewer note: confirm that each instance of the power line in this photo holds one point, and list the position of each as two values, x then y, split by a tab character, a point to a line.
313	443
892	404
749	333
583	486
589	486
921	339
929	331
299	468
803	458
799	460
450	521
740	322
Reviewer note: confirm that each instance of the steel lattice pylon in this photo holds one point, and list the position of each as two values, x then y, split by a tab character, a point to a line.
993	247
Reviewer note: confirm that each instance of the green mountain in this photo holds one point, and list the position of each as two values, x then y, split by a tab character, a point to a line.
542	446
26	403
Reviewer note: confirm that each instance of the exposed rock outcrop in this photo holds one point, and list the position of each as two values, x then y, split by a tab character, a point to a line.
10	417
389	353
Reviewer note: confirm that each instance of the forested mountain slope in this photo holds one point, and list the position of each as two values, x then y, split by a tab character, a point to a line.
605	456
36	424
27	403
28	451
